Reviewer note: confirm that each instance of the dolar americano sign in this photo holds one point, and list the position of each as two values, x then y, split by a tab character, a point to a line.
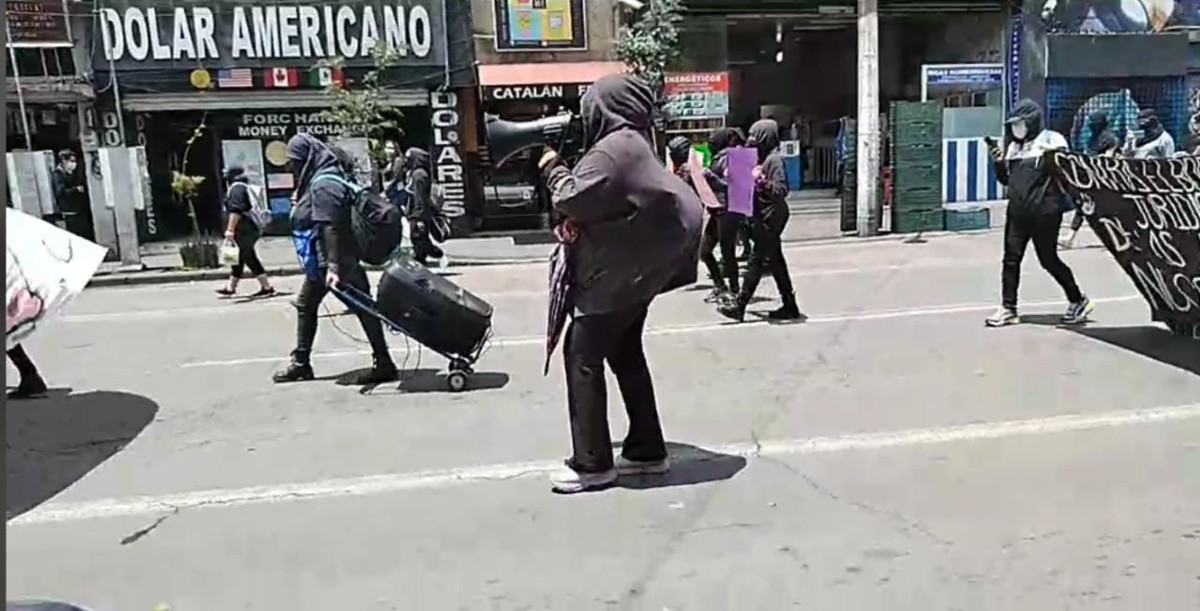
148	34
1147	213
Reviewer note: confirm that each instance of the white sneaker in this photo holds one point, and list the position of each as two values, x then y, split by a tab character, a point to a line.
1003	317
570	481
626	466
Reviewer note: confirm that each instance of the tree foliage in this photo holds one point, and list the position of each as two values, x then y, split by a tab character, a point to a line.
362	110
651	42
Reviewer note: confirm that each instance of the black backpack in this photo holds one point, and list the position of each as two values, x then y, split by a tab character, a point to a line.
376	223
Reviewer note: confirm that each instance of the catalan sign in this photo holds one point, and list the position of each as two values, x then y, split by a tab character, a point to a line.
696	95
37	23
1147	213
145	34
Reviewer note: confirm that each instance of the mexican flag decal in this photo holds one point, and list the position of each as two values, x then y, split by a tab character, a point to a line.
325	77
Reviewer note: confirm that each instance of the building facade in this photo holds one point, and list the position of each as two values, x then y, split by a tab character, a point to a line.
208	85
535	60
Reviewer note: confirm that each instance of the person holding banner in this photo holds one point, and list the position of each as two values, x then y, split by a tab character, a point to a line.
1034	213
1101	143
1155	143
770	217
724	274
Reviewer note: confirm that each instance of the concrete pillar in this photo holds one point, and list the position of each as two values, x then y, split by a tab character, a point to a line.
103	222
868	118
118	168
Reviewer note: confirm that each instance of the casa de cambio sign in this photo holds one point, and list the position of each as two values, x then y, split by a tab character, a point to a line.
146	33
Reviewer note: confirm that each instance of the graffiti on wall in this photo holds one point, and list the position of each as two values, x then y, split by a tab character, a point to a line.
1117	16
1070	103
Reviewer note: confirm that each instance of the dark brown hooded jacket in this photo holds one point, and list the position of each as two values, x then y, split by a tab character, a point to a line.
639	225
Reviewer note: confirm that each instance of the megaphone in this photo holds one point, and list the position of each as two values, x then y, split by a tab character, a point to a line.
505	139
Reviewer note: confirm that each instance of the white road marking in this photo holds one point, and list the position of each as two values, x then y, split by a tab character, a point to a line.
395	482
707	327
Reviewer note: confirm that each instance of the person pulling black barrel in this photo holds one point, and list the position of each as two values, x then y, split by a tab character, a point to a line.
634	232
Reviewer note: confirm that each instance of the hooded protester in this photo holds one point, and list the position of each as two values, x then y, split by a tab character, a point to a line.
770	218
633	231
424	218
1035	211
1155	142
1101	143
323	236
241	229
724	274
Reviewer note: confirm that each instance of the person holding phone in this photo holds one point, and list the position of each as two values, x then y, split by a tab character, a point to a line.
1034	212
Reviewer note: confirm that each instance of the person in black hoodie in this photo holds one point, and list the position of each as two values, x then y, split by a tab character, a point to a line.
1035	211
680	149
770	218
423	215
1101	143
323	206
633	233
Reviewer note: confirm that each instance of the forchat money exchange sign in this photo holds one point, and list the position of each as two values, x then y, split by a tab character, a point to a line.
1147	213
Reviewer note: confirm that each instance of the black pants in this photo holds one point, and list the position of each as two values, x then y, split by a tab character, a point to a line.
616	339
247	256
721	230
767	256
308	305
1042	230
25	367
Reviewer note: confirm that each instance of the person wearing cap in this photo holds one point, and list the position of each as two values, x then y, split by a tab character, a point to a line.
1034	214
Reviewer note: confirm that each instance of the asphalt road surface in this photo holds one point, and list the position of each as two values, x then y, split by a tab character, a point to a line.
891	453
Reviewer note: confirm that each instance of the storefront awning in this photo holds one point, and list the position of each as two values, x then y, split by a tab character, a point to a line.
253	100
541	81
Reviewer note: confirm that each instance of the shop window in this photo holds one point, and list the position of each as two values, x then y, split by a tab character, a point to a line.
52	62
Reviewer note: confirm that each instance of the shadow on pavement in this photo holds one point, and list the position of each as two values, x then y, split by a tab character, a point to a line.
414	381
1151	342
690	465
56	441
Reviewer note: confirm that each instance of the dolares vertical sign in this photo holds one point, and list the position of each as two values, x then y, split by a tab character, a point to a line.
1147	213
449	170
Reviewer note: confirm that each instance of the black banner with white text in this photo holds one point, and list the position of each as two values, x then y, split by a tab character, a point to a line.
1147	214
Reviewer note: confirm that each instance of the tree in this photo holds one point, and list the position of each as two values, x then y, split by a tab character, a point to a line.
651	43
363	111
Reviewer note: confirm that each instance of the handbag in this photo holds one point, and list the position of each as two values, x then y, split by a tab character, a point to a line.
230	253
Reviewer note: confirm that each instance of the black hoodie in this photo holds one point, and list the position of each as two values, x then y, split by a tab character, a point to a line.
1101	140
639	226
1031	189
420	183
771	189
324	204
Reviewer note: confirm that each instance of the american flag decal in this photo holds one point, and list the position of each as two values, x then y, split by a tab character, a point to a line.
235	78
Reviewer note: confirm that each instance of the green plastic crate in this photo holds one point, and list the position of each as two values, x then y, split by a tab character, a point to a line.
971	218
913	222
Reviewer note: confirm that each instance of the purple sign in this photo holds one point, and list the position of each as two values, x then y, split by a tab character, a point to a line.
741	180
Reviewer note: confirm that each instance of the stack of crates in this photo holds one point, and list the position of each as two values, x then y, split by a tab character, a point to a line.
849	216
915	147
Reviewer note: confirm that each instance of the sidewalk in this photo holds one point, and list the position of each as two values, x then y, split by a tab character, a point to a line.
162	264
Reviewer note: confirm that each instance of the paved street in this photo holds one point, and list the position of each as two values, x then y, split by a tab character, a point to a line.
891	453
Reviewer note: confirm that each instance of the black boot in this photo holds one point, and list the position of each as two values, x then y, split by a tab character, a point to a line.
734	309
789	311
31	386
297	371
382	371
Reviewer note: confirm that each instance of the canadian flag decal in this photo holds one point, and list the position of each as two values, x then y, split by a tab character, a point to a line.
282	78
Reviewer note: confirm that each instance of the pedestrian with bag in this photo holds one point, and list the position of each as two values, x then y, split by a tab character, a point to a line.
633	233
1035	212
770	218
326	245
248	215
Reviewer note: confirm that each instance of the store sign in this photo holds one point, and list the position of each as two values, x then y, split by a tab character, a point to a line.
696	95
1147	214
1016	38
533	92
285	124
991	75
536	25
37	23
449	170
145	34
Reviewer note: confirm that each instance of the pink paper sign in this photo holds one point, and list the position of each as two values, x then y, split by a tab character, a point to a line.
741	162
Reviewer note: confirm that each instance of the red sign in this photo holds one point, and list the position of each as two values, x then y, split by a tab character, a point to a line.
696	95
